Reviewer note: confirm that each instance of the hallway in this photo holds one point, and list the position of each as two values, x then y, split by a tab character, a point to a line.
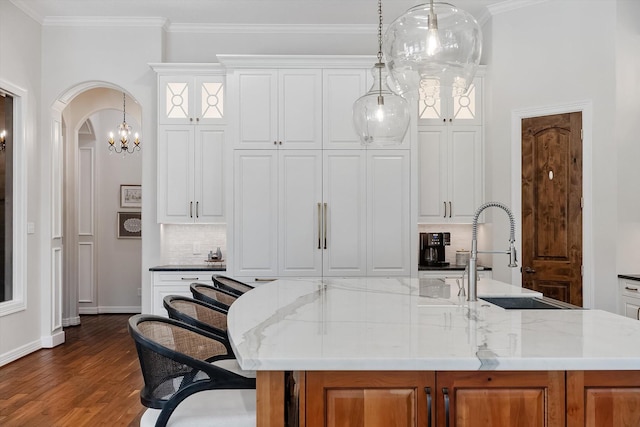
92	380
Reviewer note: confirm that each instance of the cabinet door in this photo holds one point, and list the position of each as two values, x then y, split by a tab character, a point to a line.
503	398
299	109
388	206
209	173
340	90
603	398
209	105
442	108
368	399
344	213
432	173
175	174
257	108
255	234
300	213
175	100
465	178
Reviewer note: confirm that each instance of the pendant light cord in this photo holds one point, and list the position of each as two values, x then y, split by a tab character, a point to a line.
124	109
380	64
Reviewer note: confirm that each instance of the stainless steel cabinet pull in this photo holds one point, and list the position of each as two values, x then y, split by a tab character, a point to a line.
638	314
631	289
197	119
427	390
319	226
325	226
449	209
191	209
258	279
197	209
190	279
445	392
445	209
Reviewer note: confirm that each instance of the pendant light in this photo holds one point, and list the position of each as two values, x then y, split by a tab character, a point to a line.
124	135
433	45
380	117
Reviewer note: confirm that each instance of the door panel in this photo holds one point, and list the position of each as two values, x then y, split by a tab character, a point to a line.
551	206
209	174
175	187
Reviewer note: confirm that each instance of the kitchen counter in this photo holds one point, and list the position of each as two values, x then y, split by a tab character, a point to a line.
635	277
381	324
191	267
450	267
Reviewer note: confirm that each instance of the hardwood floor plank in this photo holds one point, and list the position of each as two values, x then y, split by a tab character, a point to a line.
93	379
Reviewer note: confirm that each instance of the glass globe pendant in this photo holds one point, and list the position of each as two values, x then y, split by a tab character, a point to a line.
433	45
380	117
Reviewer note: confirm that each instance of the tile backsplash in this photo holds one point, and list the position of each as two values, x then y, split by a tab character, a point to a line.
460	239
178	241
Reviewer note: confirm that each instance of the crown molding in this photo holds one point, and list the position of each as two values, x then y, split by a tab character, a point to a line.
509	5
187	68
273	28
297	61
24	6
108	21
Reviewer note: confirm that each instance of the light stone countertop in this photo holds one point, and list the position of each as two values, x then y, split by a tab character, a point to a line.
385	324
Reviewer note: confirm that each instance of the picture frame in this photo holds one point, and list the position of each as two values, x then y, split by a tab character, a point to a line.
129	225
131	196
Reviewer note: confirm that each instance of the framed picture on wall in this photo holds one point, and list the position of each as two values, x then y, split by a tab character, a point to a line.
130	196
129	225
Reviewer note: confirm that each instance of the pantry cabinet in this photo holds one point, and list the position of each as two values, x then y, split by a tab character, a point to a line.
277	107
321	213
191	174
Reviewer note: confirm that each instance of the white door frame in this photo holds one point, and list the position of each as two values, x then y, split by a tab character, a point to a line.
586	108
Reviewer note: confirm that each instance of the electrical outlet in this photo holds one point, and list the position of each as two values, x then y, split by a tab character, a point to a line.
196	248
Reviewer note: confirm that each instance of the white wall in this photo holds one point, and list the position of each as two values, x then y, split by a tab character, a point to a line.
627	126
20	48
551	53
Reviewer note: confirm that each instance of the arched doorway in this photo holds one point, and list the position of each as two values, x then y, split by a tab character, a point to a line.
86	202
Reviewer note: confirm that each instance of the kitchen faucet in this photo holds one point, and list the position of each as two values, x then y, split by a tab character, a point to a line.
473	260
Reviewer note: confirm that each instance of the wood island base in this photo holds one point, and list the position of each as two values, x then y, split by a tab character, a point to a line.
448	398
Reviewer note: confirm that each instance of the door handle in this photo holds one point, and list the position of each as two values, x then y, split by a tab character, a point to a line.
319	226
529	270
445	392
325	226
427	390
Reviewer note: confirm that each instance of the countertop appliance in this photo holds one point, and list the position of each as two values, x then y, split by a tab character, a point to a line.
432	249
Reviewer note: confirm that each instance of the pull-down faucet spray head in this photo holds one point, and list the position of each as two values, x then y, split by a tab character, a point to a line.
513	258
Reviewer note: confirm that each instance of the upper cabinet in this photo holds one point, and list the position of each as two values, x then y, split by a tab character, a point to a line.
447	109
277	108
191	99
341	88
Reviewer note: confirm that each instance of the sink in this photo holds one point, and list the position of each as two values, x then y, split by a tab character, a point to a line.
525	303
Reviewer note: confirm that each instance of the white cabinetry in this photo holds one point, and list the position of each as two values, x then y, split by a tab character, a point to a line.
450	173
191	143
629	298
313	212
174	283
190	99
278	107
451	156
191	174
341	88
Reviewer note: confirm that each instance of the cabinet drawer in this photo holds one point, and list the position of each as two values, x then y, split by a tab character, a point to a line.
630	289
631	308
182	276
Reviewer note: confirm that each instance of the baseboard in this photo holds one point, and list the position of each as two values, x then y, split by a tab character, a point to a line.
111	310
20	352
53	340
71	321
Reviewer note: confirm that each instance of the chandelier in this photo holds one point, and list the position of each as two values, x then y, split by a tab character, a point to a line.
380	117
433	45
124	135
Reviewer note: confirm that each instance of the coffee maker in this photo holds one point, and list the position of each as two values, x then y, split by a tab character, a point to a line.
432	249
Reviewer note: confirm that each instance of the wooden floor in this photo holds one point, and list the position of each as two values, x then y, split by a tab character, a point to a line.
93	379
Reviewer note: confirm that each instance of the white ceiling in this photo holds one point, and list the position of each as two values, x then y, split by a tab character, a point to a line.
230	12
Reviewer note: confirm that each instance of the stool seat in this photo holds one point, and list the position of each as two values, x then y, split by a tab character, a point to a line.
210	408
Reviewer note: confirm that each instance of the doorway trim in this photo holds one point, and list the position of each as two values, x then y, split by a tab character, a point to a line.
586	108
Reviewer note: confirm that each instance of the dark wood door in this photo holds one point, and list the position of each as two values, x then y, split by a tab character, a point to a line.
552	206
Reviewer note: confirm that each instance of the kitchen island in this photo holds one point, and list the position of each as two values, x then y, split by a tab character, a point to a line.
365	349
